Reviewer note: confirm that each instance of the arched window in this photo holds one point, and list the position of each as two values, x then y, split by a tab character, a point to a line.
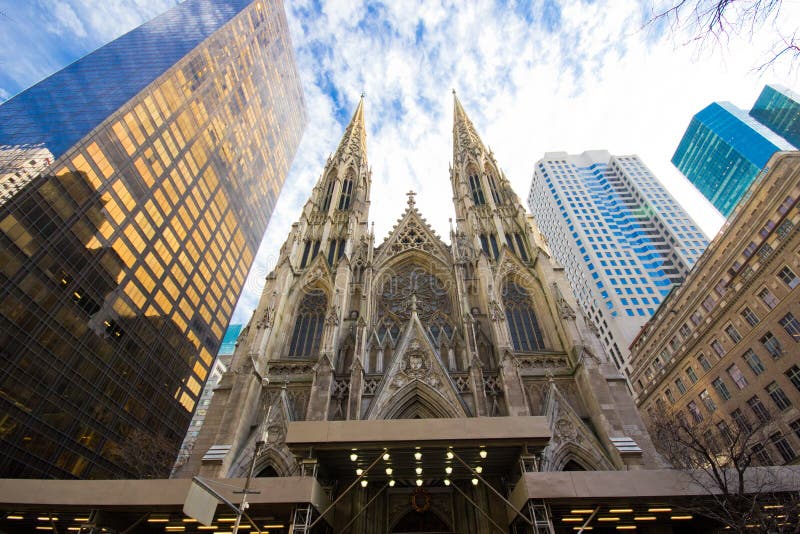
344	198
526	335
498	200
308	325
326	200
476	189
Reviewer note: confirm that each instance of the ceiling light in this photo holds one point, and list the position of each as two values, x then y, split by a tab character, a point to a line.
364	483
386	457
659	509
620	510
46	518
419	482
608	518
274	525
479	469
447	482
448	469
680	517
581	511
353	457
418	456
391	483
483	453
359	471
572	519
418	470
389	470
644	518
626	527
15	516
449	455
474	481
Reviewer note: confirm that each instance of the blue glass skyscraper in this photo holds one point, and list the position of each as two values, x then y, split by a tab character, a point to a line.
778	108
724	148
121	263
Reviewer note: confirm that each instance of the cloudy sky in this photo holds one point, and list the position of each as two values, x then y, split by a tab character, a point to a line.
534	76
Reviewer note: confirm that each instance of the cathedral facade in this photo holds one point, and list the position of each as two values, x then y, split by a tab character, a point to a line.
418	380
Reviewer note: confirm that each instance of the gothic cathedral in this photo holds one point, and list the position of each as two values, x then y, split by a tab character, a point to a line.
389	346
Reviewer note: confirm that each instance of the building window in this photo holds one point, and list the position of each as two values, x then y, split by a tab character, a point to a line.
347	191
695	411
525	333
697	318
793	374
741	420
718	348
749	316
704	363
708	401
733	333
778	396
725	431
758	408
684	331
785	450
768	298
523	253
308	325
671	397
477	190
493	189
709	303
690	373
788	277
772	345
761	455
754	362
721	389
326	200
795	426
791	325
680	385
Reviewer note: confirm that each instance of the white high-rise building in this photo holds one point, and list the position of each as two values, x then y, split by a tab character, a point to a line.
623	240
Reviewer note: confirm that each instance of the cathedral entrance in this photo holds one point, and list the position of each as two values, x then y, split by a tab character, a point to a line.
426	522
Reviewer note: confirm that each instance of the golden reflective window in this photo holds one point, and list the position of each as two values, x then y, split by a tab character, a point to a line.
81	165
130	121
144	172
121	248
145	279
100	160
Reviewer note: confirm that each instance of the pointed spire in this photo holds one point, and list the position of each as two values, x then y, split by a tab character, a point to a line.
464	134
354	139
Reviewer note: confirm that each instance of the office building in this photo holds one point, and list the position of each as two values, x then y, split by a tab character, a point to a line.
122	263
19	165
778	108
722	350
724	148
622	239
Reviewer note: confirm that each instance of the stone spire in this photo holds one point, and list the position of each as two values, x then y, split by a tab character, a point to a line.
464	135
354	140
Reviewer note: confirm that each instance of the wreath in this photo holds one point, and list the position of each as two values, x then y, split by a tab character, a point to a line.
420	500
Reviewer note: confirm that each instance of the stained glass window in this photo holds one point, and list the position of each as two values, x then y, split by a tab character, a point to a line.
522	324
308	325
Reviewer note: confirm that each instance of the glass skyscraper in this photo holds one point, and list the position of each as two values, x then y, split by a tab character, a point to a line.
724	148
622	239
122	262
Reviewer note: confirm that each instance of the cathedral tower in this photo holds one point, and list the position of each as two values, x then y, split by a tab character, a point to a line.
415	346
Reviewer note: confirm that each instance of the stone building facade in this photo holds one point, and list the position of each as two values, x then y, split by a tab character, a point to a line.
420	352
724	345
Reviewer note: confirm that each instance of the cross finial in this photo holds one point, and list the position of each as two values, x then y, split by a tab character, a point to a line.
454	90
411	201
363	94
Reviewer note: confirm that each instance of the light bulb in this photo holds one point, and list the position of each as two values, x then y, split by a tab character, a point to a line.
386	457
448	469
419	482
364	483
483	453
449	455
353	457
418	470
447	482
479	469
359	471
388	470
391	483
474	481
418	455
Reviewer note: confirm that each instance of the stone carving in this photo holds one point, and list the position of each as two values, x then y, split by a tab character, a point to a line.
531	362
285	368
495	311
564	430
564	309
416	366
332	319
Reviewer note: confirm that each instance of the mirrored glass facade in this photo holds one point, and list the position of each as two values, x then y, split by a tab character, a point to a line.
722	152
778	108
122	264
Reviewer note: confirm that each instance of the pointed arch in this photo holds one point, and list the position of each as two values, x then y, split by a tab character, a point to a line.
330	183
475	187
493	189
309	323
526	334
418	400
272	463
568	456
347	191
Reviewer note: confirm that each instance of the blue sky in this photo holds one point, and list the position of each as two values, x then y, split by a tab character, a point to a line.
534	76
